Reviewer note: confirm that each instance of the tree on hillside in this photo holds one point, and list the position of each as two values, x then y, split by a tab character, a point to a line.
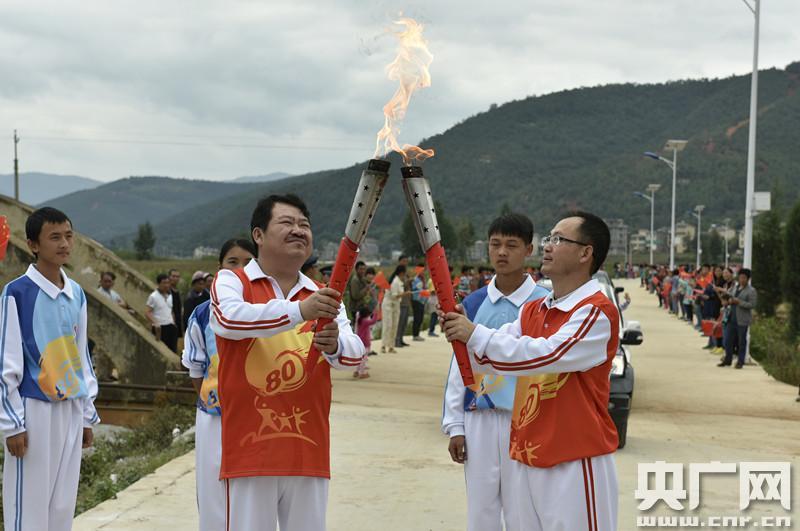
410	241
767	259
715	247
505	209
446	228
791	268
466	237
144	242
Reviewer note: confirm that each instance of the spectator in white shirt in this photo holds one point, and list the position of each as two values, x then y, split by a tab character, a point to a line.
159	313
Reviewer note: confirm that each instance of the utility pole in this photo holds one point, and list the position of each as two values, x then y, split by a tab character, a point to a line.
16	167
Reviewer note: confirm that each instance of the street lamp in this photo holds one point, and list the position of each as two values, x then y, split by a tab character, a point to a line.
698	213
751	143
674	146
652	188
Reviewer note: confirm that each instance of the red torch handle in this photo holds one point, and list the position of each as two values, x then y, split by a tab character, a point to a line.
440	273
345	260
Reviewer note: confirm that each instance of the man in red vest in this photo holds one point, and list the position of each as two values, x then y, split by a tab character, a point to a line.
275	431
561	348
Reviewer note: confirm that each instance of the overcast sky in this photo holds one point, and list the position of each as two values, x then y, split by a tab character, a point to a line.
217	90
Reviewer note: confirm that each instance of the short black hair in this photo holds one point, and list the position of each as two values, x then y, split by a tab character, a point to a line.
401	257
109	274
513	224
594	231
35	222
359	264
247	245
173	270
466	269
262	214
370	271
745	271
160	277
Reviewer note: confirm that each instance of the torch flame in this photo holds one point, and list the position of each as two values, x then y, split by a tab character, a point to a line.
410	69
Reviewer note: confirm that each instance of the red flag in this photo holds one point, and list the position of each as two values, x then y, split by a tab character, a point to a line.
5	234
380	281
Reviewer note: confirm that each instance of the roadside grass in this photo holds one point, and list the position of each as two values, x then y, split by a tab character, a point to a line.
118	461
775	350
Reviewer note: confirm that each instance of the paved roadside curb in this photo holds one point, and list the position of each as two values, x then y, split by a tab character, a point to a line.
163	494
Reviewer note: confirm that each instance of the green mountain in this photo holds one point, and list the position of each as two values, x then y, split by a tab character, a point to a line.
119	207
36	188
578	148
261	178
542	156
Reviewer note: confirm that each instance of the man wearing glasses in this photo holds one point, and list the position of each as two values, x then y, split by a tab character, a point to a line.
561	348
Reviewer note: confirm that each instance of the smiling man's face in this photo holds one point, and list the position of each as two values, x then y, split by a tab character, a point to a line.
288	235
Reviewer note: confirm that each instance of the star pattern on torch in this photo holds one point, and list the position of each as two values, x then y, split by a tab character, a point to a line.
360	205
416	194
355	221
366	188
420	212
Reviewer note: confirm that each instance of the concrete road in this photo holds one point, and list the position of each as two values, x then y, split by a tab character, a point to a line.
391	469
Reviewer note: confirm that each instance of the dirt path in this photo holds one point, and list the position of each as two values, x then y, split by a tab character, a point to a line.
391	470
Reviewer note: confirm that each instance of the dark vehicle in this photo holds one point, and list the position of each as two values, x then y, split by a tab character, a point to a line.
622	373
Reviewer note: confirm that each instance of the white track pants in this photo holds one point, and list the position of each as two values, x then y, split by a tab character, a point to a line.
39	490
489	471
574	496
389	322
208	454
261	503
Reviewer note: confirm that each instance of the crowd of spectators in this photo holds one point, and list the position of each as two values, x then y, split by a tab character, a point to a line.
717	301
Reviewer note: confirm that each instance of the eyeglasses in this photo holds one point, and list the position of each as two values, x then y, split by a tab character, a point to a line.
556	240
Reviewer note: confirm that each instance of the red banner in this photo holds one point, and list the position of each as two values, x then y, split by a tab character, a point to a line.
5	234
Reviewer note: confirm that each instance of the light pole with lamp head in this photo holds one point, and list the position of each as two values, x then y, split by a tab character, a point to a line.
674	146
751	143
652	188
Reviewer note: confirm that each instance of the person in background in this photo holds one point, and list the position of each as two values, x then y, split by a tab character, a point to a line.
325	273
209	282
201	359
106	288
462	290
405	306
433	302
390	308
418	301
742	298
364	321
197	295
357	289
159	313
177	310
711	308
309	268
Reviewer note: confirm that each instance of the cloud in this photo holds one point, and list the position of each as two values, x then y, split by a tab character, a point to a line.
193	88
